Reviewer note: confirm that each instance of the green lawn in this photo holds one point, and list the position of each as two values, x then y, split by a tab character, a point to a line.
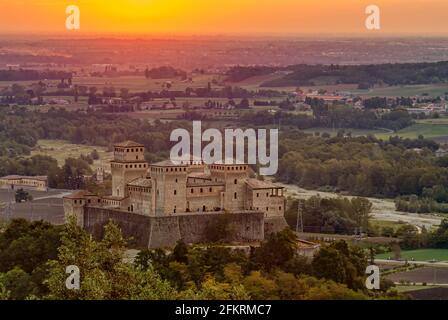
420	255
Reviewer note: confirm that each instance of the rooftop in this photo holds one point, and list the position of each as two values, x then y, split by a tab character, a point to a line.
17	177
259	184
168	163
199	175
80	194
128	144
140	182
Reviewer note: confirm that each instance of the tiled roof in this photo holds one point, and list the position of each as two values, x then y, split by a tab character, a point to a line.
80	194
168	163
128	144
17	177
259	184
140	182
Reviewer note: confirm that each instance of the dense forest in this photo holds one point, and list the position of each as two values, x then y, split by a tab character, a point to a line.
364	75
20	129
334	117
361	166
35	269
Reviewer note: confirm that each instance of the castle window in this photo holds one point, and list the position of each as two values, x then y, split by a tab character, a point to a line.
127	150
204	208
258	195
267	194
192	190
175	192
236	181
267	209
280	208
136	158
176	180
202	190
210	190
235	195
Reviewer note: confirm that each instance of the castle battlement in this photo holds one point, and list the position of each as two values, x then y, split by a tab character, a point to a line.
167	189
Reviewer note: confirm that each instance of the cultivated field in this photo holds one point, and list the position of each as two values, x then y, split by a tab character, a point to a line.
428	130
140	83
433	90
430	275
420	255
354	132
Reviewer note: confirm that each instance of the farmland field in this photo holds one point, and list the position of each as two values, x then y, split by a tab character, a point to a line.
140	83
420	255
428	130
432	90
355	132
433	275
61	150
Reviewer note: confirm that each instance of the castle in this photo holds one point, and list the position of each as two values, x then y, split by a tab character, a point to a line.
187	190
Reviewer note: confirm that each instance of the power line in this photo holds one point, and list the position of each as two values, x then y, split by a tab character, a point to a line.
299	219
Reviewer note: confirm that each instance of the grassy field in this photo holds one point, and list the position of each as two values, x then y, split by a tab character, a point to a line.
432	90
355	132
386	224
61	150
428	130
404	289
140	83
420	255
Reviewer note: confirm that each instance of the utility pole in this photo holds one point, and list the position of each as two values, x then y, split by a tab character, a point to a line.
299	216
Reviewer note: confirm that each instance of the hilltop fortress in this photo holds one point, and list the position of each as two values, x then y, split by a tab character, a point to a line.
159	204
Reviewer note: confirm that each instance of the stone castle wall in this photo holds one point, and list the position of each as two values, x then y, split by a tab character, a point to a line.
160	232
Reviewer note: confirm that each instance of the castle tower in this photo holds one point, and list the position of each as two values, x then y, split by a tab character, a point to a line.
75	203
234	177
128	164
169	188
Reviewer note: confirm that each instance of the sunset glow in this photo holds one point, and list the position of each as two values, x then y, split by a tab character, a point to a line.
218	16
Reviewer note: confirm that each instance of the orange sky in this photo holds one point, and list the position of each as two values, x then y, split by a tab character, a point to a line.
225	16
